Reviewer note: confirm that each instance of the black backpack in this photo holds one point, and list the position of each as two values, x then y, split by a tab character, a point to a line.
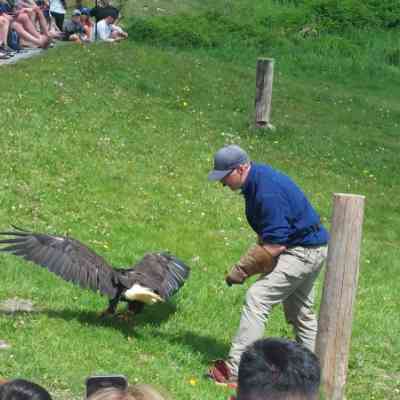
13	40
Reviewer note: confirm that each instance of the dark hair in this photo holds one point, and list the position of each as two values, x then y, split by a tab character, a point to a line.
21	389
275	369
114	13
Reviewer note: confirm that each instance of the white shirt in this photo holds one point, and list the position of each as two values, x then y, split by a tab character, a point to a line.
57	7
104	30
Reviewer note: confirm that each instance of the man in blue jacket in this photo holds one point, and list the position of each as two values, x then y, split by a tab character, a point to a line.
290	251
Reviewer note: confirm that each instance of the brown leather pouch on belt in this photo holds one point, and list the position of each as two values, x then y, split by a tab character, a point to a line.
258	260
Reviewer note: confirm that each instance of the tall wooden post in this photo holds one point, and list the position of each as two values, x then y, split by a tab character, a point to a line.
264	79
341	279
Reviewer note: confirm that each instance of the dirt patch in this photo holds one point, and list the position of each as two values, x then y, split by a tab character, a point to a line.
4	345
14	305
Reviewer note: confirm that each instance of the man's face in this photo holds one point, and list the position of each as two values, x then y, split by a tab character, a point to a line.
235	179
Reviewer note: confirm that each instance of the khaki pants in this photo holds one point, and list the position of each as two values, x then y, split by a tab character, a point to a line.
290	283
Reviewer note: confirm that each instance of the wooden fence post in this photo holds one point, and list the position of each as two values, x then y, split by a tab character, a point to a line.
264	79
340	286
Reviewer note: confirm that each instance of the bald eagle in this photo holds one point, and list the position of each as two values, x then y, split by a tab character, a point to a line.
155	278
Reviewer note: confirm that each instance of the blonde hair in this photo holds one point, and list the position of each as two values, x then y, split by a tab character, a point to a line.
146	392
111	393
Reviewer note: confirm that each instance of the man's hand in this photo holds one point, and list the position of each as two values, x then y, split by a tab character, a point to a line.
236	276
258	260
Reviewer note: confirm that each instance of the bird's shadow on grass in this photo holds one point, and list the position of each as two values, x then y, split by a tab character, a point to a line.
204	346
208	348
122	322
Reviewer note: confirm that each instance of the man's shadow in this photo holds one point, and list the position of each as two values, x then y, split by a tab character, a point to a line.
207	347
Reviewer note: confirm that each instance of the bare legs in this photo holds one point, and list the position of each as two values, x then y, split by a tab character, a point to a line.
33	40
4	26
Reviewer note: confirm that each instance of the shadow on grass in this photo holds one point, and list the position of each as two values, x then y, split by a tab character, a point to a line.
123	322
207	347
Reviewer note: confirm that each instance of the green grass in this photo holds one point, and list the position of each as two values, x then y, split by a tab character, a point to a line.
112	145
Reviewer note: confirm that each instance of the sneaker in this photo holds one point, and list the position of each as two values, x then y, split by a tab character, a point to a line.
4	55
8	50
220	373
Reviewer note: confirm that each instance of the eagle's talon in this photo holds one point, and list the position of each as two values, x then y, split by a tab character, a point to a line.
123	317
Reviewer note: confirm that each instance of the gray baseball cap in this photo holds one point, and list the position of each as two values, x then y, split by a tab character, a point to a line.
227	159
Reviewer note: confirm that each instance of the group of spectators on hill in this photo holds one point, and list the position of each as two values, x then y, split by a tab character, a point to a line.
39	23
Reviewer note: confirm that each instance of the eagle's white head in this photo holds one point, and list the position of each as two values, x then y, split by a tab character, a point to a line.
142	294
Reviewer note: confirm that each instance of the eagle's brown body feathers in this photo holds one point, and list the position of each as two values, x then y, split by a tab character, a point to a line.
68	258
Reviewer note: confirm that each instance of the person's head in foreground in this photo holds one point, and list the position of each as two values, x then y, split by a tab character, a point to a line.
146	392
278	369
111	393
21	389
231	166
136	392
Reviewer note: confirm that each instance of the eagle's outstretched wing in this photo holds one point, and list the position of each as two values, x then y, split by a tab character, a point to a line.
64	256
161	272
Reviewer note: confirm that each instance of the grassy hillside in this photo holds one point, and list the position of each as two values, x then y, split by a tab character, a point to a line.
112	144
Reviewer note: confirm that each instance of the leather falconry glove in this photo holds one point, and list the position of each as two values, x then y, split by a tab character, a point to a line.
258	260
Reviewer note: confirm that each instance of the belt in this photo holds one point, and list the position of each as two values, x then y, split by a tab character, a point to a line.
302	233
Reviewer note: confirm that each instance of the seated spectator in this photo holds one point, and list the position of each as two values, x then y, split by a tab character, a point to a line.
21	389
278	369
5	22
88	25
31	15
107	31
73	29
54	31
22	24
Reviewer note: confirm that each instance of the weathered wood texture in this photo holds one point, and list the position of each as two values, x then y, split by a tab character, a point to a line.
264	79
341	279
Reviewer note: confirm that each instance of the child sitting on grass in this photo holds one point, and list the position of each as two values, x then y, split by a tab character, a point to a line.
108	31
87	24
73	29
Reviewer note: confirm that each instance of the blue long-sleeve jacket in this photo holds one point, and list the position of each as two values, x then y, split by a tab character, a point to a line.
278	210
